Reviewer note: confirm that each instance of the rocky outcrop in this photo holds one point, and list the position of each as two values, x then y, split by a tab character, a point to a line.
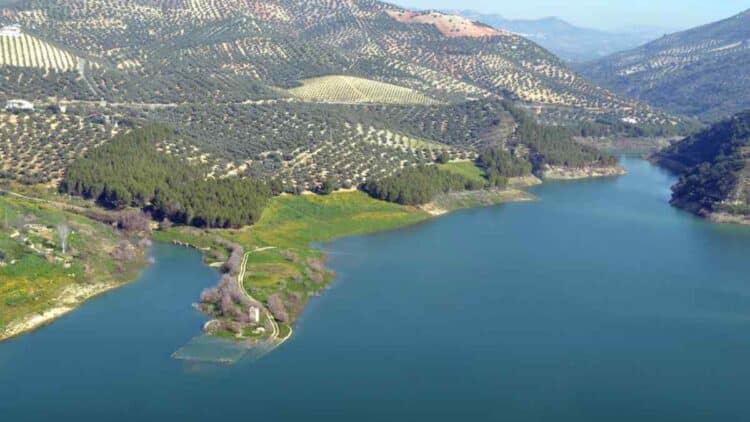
524	181
575	173
714	165
726	218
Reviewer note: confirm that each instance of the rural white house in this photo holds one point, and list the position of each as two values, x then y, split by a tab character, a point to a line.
19	105
13	31
254	313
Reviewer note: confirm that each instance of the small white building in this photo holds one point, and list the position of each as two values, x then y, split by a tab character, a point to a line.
254	313
12	31
19	105
631	120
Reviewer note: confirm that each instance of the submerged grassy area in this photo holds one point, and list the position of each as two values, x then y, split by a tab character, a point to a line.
282	263
35	274
294	221
481	198
287	264
284	269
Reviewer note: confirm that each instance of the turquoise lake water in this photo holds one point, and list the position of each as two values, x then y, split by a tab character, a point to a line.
599	302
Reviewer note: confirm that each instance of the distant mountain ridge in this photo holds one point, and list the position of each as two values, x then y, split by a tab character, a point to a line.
570	42
702	72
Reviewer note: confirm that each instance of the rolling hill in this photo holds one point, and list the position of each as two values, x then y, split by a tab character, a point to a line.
155	51
21	50
703	72
351	90
301	91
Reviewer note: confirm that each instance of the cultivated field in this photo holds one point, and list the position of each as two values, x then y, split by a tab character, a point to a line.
301	144
28	51
300	91
348	89
38	147
175	51
467	169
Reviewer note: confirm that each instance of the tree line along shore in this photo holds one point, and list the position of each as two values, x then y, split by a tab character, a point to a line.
142	193
58	249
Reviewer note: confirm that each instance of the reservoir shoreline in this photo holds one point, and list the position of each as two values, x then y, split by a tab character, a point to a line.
602	328
75	296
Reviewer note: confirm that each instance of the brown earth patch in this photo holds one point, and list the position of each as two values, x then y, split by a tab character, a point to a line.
448	25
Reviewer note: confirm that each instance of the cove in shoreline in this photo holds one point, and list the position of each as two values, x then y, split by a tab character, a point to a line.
364	215
367	216
597	296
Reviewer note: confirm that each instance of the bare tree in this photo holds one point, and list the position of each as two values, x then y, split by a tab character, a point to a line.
125	251
134	222
233	264
277	308
63	233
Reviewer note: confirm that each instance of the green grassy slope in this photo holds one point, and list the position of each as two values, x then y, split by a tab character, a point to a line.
467	169
35	275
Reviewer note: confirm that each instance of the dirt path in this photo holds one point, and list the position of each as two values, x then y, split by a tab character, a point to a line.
155	106
59	205
97	214
241	276
82	71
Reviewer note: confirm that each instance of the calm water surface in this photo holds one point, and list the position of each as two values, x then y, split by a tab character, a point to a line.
597	303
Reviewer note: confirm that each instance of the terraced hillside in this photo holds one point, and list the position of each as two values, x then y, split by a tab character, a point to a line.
348	89
163	46
716	170
302	145
703	72
301	91
37	148
27	51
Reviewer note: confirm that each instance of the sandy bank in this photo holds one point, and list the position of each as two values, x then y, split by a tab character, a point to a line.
70	298
572	173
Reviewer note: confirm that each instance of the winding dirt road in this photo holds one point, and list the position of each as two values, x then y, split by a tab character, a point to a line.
241	276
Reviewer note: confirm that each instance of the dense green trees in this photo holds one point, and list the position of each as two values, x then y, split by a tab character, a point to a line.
603	127
713	163
708	184
418	185
327	188
554	144
499	164
129	171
